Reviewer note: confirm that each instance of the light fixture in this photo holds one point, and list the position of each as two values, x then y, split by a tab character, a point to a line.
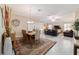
53	18
30	22
29	16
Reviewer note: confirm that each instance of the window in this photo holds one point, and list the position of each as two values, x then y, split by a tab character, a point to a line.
50	27
67	27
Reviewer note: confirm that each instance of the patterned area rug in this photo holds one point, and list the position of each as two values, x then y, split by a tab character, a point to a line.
39	48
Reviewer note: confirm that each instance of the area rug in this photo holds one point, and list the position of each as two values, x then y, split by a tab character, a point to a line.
40	48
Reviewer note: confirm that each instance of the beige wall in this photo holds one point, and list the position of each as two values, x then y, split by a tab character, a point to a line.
21	26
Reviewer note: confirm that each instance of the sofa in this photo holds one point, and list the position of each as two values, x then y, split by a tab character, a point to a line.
68	33
50	32
57	27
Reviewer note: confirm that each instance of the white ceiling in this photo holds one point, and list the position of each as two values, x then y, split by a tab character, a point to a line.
42	11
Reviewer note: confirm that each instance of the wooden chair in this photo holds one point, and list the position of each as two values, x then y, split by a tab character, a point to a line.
28	39
25	37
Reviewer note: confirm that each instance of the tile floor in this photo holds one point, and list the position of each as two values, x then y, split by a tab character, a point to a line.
64	45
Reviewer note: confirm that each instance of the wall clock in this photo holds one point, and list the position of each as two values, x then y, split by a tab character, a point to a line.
15	22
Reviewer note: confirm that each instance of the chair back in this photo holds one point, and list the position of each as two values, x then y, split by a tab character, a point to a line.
24	33
37	35
25	36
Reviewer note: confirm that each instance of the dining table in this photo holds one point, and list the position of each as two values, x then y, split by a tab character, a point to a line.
31	36
31	33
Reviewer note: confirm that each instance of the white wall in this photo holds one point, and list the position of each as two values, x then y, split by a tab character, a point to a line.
21	26
23	23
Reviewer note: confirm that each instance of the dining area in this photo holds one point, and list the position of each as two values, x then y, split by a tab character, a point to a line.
11	45
32	44
30	37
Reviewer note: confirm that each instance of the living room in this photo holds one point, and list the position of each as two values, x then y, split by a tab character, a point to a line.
38	29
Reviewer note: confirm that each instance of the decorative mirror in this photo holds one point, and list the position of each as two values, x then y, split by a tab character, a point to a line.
15	22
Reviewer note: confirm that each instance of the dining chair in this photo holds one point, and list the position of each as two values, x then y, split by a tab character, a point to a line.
37	35
25	37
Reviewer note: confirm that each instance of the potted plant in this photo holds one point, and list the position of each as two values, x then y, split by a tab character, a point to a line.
76	27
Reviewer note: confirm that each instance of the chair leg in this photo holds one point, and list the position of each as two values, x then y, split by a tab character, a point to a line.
30	41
